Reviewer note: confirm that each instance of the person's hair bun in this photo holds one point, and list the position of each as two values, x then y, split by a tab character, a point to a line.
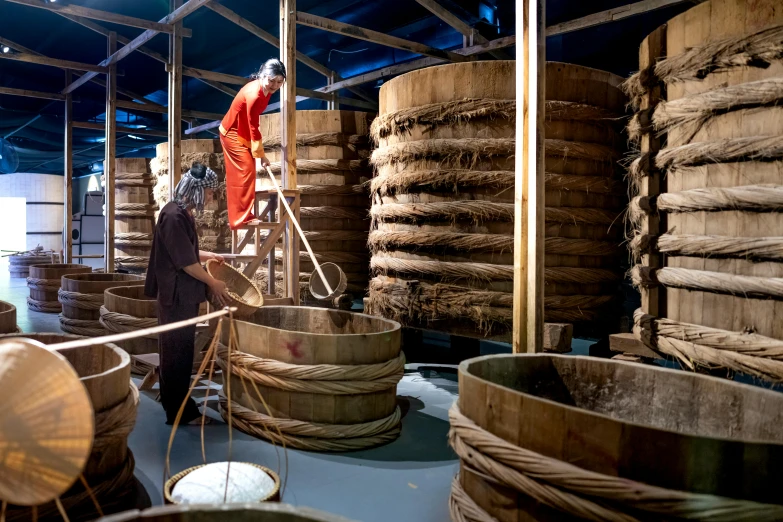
198	170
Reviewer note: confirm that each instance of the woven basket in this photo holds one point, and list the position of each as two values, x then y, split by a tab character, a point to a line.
273	496
245	296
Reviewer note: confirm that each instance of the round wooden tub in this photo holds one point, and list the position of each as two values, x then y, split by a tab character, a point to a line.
328	377
7	318
226	513
566	425
82	297
126	309
44	283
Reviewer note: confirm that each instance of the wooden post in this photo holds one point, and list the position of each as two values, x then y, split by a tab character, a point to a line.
108	159
68	175
288	137
175	103
528	333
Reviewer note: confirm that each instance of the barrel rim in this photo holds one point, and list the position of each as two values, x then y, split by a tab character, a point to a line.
267	507
60	266
7	308
104	277
394	325
464	369
113	292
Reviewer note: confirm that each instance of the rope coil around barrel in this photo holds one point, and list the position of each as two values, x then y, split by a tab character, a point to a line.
326	165
333	213
79	300
43	306
35	283
121	323
690	245
315	139
583	493
313	436
749	287
85	327
135	210
318	378
133	239
695	344
112	426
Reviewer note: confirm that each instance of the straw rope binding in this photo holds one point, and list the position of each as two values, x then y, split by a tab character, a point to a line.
690	245
119	323
337	139
325	165
35	283
749	287
582	493
44	306
79	300
85	327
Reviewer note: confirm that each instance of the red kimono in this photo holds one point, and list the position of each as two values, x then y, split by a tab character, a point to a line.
241	140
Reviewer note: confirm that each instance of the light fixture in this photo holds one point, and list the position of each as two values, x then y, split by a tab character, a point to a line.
131	136
6	49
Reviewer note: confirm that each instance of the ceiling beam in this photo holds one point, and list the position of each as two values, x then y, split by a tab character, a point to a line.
178	14
95	14
368	35
32	94
612	15
271	39
53	62
159	109
394	70
96	126
473	36
361	104
202	74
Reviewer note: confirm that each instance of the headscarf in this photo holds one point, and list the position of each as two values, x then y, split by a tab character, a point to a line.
190	189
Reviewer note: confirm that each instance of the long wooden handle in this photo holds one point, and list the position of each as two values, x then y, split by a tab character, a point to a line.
115	338
301	234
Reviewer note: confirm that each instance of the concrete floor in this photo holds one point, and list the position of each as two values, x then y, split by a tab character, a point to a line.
408	479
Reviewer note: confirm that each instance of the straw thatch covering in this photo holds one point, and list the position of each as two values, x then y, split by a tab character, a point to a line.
336	139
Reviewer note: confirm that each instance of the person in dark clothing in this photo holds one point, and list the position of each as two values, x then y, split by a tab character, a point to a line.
179	283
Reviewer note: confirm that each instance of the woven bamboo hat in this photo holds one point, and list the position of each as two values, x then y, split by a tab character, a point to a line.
46	423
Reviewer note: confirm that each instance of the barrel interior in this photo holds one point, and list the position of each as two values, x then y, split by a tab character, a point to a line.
664	399
7	317
319	321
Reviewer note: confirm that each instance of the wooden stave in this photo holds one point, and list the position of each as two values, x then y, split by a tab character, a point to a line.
605	444
313	348
7	318
107	386
131	301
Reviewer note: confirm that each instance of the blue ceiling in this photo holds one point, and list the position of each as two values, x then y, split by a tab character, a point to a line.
219	45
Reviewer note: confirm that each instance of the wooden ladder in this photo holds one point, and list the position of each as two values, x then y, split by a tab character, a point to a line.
265	246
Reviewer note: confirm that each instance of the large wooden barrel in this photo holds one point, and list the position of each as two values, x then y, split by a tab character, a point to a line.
708	215
81	296
44	284
212	224
270	512
104	369
7	318
19	264
443	197
328	377
134	214
553	437
332	167
127	309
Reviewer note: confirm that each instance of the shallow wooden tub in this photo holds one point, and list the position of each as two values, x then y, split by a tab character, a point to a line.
44	283
82	296
329	368
687	433
226	513
126	309
7	318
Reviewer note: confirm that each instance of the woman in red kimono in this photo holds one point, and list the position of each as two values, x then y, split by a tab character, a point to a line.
241	139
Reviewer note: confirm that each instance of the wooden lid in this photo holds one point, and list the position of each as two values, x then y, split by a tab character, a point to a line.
47	427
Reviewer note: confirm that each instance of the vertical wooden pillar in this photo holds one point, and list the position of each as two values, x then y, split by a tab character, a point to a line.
528	334
175	102
68	174
111	150
288	137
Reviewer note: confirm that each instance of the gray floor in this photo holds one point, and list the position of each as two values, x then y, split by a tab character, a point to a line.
408	479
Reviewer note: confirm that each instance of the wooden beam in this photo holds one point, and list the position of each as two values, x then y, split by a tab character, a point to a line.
394	70
628	343
160	109
288	21
528	311
32	94
95	14
375	37
68	176
612	15
214	76
174	17
109	167
119	129
308	93
53	62
175	103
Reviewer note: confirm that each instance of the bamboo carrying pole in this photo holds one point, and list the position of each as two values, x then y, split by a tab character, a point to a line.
331	293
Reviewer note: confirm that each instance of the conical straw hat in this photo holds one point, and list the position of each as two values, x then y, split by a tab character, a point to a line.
46	423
